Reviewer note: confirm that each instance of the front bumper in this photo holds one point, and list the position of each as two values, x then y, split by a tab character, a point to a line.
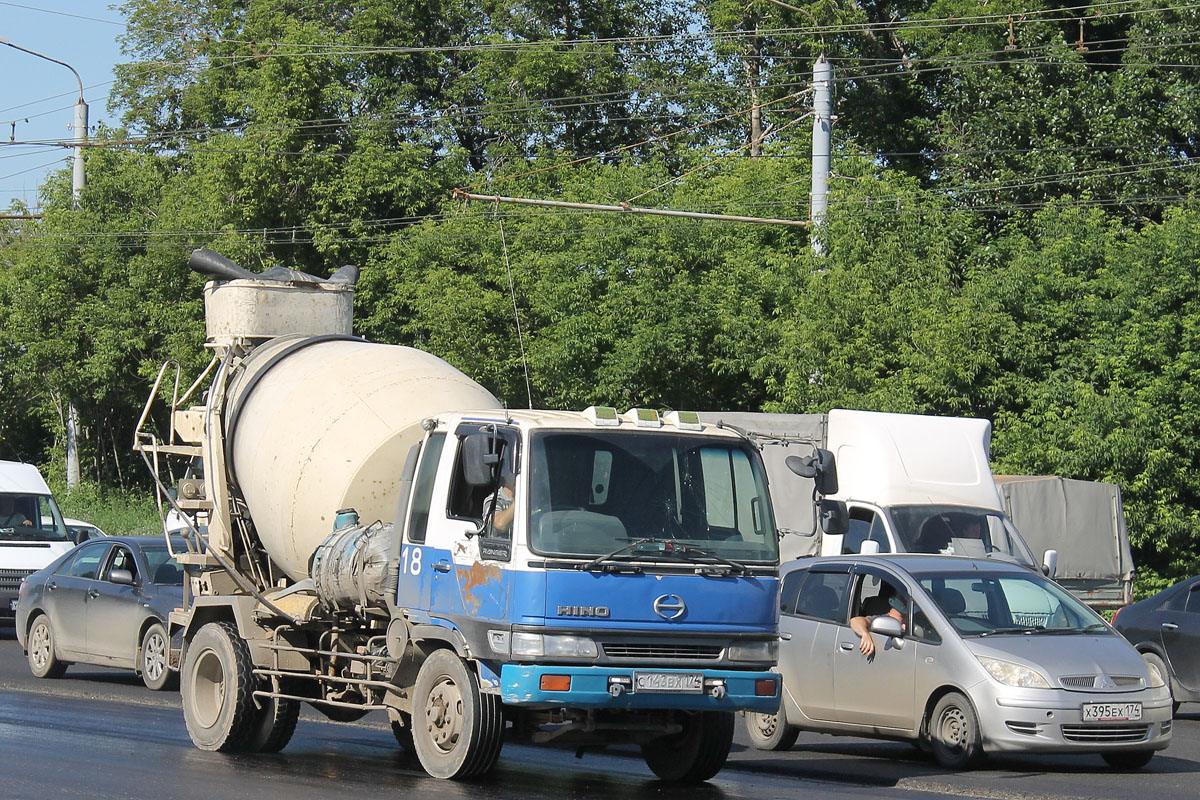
521	685
1051	721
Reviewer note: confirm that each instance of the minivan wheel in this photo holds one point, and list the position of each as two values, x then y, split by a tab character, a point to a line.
954	733
770	731
1128	759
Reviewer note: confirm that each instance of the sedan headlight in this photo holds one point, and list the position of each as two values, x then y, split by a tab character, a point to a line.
1012	674
537	644
755	651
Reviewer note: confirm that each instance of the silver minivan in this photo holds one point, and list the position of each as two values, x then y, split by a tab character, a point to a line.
979	656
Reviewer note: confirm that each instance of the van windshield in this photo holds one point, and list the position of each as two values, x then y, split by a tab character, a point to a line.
594	492
959	531
979	604
31	517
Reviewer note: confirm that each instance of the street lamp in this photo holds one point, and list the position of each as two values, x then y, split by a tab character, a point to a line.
77	183
81	121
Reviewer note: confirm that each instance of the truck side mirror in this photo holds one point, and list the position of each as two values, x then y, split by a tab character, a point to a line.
481	459
835	519
1050	563
819	466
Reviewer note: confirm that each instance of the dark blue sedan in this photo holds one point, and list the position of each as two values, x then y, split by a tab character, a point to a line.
105	602
1165	629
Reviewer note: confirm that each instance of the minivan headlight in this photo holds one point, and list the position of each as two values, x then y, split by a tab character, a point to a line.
755	651
1013	674
1157	679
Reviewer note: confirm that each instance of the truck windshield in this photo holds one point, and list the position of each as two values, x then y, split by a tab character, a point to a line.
31	517
595	492
979	604
960	531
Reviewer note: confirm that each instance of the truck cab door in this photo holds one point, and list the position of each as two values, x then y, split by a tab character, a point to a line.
867	525
416	556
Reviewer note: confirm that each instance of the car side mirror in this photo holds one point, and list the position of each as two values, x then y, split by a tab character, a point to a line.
121	576
889	626
1050	563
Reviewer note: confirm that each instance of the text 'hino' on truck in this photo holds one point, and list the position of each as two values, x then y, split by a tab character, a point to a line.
383	535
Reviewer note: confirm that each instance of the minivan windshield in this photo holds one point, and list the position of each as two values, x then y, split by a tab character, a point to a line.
982	604
959	531
31	517
684	497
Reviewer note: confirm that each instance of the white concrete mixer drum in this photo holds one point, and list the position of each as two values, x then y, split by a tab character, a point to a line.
318	424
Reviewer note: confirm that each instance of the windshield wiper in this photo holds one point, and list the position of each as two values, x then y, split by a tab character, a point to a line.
689	548
628	548
671	550
1015	629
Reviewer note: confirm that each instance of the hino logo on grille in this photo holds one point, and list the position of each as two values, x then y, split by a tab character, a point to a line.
583	611
669	606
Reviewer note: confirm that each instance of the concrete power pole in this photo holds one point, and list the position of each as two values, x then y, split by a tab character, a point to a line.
822	123
77	184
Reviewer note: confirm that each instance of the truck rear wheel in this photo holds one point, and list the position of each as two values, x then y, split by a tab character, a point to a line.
274	724
217	688
457	730
696	753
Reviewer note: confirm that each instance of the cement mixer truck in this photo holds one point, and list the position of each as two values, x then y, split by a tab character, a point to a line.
382	535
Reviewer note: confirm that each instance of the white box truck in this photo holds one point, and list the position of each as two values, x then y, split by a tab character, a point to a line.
909	483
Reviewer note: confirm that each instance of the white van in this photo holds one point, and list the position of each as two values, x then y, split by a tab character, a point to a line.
32	531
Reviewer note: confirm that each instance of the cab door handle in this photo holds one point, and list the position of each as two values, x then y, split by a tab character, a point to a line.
1169	626
441	566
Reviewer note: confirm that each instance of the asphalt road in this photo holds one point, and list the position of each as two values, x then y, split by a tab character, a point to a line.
100	733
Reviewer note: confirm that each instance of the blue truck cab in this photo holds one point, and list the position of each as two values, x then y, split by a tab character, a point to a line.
613	577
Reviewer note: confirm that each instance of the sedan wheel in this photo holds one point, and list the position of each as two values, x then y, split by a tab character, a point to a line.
43	663
155	663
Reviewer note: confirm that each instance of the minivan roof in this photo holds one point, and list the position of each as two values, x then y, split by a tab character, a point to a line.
19	478
913	562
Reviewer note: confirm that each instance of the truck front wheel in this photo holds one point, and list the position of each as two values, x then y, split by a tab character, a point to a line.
696	753
217	687
457	730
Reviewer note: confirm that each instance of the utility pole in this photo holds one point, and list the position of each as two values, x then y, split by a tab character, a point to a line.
78	179
822	123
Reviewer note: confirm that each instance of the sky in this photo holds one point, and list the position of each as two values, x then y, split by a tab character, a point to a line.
39	95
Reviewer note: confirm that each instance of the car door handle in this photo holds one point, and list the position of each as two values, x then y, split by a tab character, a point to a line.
51	586
1169	626
441	566
787	637
93	593
846	645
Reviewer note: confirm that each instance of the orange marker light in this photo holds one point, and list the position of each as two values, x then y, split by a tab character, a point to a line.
559	683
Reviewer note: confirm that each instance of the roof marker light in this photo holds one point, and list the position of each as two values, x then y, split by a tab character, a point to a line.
684	420
602	416
643	417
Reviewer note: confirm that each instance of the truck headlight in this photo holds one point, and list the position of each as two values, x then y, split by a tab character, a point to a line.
1012	674
537	644
754	651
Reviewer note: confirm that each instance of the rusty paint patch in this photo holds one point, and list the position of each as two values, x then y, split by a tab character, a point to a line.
477	576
